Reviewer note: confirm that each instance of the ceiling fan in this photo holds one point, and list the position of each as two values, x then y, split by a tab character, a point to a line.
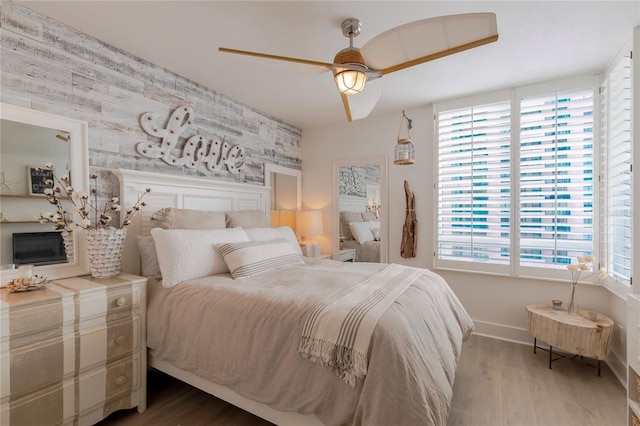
395	49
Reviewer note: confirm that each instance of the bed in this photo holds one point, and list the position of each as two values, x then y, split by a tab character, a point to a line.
360	231
239	337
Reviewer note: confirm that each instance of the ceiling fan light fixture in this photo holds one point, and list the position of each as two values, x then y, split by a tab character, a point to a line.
350	82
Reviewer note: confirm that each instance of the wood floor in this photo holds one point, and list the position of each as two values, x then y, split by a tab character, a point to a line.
497	383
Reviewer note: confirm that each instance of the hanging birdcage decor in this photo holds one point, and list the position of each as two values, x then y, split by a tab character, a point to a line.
404	153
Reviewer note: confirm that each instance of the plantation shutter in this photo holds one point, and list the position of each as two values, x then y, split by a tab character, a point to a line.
556	178
474	184
617	155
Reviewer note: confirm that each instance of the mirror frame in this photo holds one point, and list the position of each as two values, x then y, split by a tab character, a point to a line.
381	161
79	171
272	168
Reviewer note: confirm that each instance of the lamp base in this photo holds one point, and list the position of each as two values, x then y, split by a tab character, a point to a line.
310	249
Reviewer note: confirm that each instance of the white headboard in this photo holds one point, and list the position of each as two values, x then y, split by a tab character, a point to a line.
180	192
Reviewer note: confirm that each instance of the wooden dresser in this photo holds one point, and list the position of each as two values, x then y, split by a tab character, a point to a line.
73	352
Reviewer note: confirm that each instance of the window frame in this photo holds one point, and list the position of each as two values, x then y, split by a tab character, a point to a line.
514	96
612	284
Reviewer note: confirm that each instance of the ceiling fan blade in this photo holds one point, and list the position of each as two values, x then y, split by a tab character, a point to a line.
276	57
360	105
428	39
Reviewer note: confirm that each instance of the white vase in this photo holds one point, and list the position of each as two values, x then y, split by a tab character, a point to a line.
67	239
104	249
573	308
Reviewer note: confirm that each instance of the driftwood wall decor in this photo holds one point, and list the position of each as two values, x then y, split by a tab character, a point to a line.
410	227
213	154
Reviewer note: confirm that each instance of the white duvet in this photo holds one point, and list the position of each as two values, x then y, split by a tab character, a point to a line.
244	334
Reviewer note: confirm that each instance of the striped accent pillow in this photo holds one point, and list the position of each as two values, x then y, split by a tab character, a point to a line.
254	257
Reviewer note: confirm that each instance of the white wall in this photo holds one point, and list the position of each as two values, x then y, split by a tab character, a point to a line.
497	304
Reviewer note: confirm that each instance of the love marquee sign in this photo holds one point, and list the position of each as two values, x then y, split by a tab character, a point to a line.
214	154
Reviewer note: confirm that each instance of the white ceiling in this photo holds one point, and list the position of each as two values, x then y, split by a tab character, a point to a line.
539	41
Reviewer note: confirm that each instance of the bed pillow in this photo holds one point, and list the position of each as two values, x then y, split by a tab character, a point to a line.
255	257
345	219
247	219
172	218
368	216
263	234
374	225
361	231
148	256
185	254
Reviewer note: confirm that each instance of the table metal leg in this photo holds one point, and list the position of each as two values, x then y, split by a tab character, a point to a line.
535	344
550	355
599	368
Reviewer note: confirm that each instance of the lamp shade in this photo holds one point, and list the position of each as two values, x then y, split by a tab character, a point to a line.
309	223
283	218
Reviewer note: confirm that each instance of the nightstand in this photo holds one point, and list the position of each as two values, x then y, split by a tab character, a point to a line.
573	333
347	255
74	351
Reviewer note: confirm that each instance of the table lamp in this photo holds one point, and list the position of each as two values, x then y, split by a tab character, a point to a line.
308	225
283	218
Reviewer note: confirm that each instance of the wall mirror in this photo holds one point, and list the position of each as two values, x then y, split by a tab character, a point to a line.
360	208
31	139
286	194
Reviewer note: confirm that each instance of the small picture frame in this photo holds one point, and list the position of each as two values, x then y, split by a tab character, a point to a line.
37	178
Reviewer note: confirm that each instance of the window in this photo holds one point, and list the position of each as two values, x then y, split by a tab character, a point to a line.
556	178
515	181
616	172
474	184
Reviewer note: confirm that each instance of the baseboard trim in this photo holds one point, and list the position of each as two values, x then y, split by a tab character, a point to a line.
503	332
618	367
520	335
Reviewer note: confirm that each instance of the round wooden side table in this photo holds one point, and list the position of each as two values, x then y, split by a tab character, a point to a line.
572	333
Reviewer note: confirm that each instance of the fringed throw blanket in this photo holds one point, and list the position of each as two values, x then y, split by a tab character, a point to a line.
338	330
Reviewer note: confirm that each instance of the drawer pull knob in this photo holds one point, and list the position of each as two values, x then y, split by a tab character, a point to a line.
121	301
121	380
120	340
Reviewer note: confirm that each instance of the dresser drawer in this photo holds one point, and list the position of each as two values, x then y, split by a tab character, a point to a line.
108	342
108	382
50	406
32	317
37	366
120	338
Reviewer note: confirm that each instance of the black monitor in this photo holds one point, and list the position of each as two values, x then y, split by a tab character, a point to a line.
38	248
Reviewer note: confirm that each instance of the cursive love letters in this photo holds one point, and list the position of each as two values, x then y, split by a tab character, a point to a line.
214	154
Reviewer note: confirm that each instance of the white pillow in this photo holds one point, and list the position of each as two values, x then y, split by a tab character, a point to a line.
255	257
263	234
184	254
374	225
361	231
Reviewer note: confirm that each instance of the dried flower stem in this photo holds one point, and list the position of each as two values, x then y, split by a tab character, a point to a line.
58	189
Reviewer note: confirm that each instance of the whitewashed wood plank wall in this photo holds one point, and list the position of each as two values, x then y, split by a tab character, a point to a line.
51	67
